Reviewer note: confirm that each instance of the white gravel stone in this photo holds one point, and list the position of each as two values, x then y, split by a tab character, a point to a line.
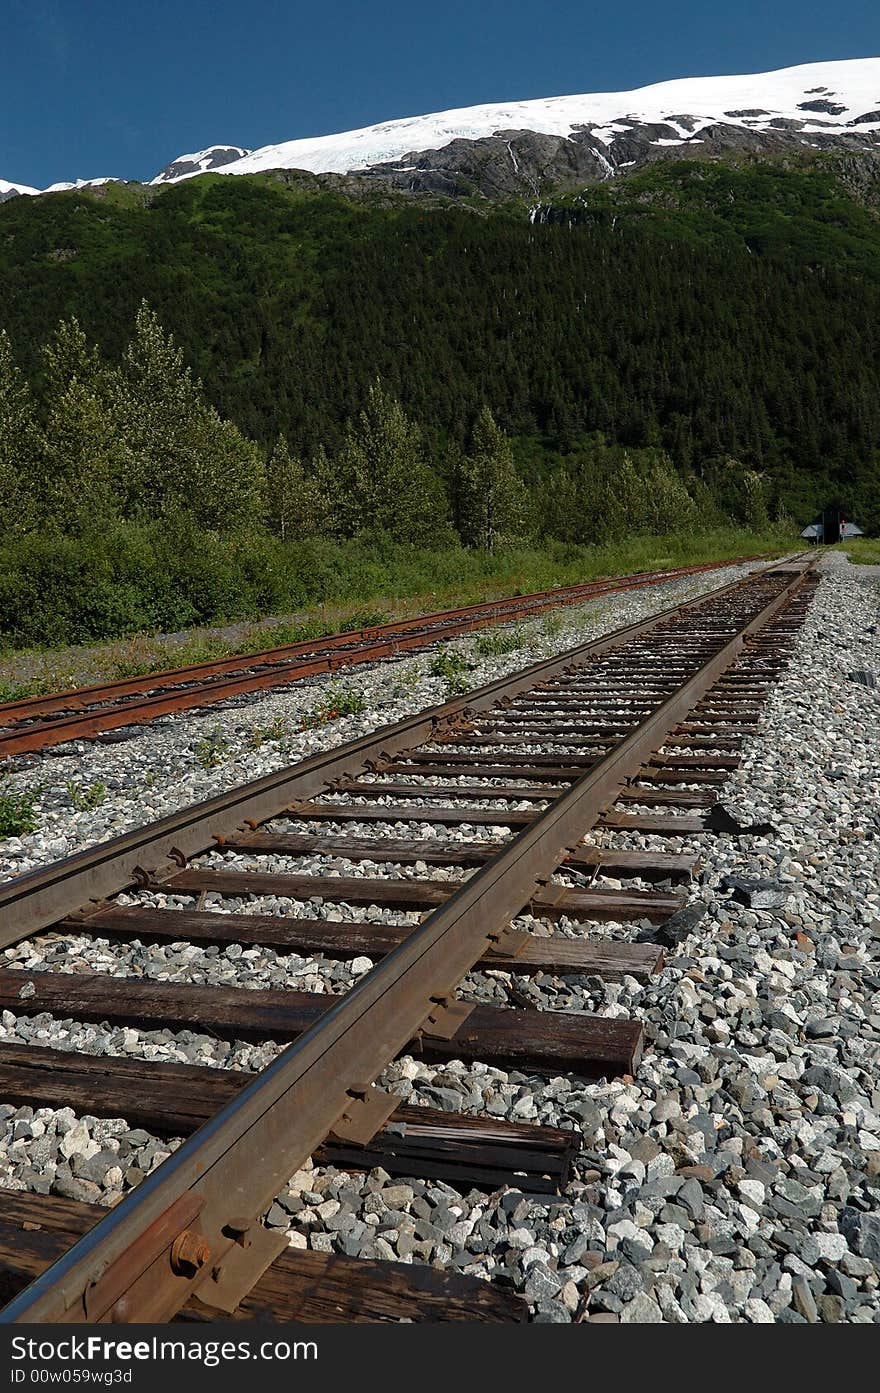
824	1247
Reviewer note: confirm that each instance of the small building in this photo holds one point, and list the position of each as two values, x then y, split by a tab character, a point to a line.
831	527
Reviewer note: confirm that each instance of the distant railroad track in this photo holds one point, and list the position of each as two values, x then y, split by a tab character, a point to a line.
83	713
638	730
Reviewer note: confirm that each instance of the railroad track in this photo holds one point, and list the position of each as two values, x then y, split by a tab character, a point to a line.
456	822
84	713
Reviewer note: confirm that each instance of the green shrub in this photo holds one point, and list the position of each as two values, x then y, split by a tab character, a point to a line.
334	703
284	634
551	625
83	798
365	619
17	813
129	579
213	749
492	643
18	691
453	668
275	731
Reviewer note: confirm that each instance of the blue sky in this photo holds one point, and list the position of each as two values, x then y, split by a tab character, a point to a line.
119	87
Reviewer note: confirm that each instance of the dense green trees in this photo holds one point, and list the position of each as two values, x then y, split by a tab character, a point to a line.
296	502
126	502
82	460
317	381
18	443
604	492
184	458
382	479
136	442
700	310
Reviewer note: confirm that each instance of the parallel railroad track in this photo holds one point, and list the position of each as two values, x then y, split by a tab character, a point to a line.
531	777
83	713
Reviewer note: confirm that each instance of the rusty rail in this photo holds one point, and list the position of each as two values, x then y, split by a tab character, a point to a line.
35	723
193	1227
38	898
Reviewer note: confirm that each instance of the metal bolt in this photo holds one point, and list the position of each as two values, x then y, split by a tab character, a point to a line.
189	1252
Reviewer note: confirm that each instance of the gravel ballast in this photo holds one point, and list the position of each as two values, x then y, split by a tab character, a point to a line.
736	1177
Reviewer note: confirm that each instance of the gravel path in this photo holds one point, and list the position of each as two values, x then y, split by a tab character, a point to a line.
736	1178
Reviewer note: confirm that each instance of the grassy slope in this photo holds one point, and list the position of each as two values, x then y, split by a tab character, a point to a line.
862	551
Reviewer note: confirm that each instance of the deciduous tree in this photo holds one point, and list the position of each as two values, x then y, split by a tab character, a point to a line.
493	501
382	479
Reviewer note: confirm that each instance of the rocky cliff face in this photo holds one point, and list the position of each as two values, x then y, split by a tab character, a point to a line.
528	164
201	163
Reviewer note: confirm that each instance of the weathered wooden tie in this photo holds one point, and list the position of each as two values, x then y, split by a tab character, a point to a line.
172	1100
654	795
554	1041
406	812
342	939
535	765
526	793
554	900
649	822
449	769
301	1287
647	865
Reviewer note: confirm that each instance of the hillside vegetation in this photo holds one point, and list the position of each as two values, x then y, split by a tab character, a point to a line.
710	309
687	349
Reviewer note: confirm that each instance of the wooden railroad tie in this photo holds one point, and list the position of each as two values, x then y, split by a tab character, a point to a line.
343	939
173	1100
545	1041
303	1287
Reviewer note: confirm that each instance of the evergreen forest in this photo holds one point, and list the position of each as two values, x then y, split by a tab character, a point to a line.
275	362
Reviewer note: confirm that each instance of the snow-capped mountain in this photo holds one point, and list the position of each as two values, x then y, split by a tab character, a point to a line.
185	166
810	102
8	190
511	147
65	184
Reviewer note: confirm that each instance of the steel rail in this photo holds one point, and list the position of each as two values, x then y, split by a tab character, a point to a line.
41	897
36	705
207	1197
84	712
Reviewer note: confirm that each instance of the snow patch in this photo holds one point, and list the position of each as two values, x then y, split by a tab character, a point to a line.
6	188
66	185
